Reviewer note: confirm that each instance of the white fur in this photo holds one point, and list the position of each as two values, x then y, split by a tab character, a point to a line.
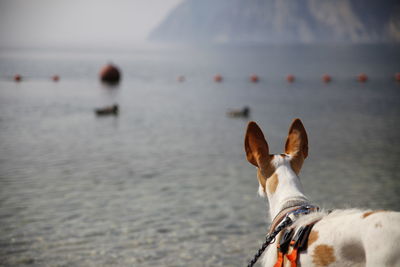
357	240
288	188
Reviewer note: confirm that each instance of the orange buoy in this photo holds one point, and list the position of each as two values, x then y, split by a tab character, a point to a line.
17	78
326	78
110	74
218	78
254	78
55	78
181	78
290	78
362	77
397	76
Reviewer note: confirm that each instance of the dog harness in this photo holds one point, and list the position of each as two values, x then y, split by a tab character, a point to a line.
290	212
294	241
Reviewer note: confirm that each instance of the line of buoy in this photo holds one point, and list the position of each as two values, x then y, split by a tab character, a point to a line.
17	77
218	78
397	76
326	78
290	78
254	78
55	78
111	74
362	77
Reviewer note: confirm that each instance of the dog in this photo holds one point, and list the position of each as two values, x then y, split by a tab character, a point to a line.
341	238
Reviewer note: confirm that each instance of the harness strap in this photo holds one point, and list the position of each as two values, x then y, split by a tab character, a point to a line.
281	224
293	258
282	214
279	261
298	243
283	246
295	242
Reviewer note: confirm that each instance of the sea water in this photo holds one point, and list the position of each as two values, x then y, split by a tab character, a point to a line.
167	183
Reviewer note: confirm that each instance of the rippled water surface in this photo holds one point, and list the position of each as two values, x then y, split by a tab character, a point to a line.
166	183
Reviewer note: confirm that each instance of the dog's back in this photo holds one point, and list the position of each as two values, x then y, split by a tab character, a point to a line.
349	238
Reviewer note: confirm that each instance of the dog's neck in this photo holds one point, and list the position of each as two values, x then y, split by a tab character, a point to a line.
289	191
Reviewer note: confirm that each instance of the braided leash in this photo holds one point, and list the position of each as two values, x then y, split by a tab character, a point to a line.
269	239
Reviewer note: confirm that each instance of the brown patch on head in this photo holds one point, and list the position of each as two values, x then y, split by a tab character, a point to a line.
272	183
266	178
368	213
323	255
312	237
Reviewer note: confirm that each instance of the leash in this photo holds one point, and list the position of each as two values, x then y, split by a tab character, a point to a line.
269	239
287	221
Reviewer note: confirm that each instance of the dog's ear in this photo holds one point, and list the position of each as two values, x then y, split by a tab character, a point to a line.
256	146
297	141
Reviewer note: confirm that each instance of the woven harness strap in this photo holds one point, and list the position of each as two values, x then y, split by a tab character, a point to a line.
298	243
287	208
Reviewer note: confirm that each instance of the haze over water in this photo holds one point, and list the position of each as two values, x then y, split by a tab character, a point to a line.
166	183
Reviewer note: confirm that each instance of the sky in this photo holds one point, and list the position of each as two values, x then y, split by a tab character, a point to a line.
61	23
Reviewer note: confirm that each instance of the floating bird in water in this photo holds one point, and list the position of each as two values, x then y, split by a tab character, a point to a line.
111	110
239	113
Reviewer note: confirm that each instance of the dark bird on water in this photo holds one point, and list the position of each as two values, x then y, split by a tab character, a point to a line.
110	110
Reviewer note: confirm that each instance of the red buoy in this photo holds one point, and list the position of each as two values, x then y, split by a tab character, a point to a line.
326	78
110	74
218	78
55	78
362	77
254	78
17	78
397	76
290	78
181	78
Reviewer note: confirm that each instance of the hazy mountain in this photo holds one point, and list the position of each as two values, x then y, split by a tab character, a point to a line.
281	21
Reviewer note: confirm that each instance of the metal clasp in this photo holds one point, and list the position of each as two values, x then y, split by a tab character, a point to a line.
306	209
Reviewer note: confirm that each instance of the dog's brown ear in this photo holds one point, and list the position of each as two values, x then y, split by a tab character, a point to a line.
256	146
297	141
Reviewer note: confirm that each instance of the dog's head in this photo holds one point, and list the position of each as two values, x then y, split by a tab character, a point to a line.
257	152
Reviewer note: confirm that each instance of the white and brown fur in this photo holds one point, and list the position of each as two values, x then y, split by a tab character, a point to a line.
350	237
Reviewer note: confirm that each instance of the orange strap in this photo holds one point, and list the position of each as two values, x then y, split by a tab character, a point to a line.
292	257
297	243
279	261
